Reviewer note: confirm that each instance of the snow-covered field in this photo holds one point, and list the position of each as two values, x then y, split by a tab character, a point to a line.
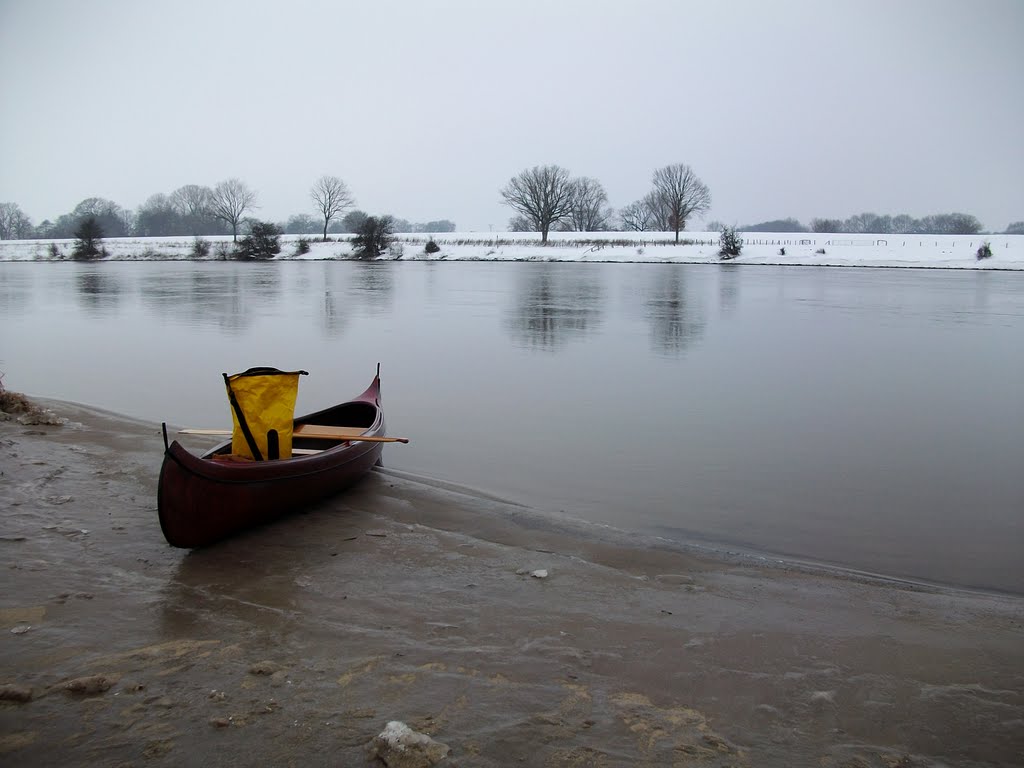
843	250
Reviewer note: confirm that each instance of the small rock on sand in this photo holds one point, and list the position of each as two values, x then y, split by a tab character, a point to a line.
540	573
264	668
399	746
15	692
89	685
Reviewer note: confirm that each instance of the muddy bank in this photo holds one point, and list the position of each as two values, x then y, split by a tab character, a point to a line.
407	600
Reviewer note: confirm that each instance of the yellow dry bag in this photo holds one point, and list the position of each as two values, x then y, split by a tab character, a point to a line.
263	412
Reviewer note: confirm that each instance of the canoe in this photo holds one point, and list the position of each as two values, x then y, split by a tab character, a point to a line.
202	500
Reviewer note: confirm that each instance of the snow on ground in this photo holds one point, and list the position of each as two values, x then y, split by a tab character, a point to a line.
841	250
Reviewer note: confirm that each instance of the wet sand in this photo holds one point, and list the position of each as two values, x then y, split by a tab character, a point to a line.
404	599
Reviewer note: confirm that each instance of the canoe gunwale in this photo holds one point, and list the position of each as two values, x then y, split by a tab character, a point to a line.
262	471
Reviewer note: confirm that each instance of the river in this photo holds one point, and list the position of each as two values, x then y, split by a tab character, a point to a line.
871	419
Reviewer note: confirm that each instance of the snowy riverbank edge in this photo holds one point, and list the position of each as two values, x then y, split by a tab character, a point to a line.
788	249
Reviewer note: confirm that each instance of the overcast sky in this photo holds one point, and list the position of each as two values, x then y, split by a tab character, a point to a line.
427	108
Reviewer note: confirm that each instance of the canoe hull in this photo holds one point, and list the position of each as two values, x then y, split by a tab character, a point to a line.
202	501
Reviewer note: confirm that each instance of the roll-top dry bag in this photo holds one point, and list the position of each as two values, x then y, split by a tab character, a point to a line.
262	412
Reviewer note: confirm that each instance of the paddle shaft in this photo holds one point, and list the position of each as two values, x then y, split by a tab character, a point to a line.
339	438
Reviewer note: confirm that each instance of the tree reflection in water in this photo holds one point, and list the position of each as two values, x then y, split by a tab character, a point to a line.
334	307
556	303
728	287
214	296
15	290
373	284
97	290
676	317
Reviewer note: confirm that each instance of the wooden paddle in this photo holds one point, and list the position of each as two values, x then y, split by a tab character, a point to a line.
315	432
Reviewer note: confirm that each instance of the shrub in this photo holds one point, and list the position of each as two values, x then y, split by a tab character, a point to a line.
431	246
782	251
729	245
373	236
821	251
302	246
54	251
200	248
88	240
263	242
984	251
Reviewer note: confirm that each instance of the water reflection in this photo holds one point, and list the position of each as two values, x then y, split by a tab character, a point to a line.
202	297
333	306
982	284
676	316
98	292
728	287
15	290
553	304
254	579
262	285
236	581
373	284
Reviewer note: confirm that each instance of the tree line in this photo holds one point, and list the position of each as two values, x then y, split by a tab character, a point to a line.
548	197
198	210
543	199
872	223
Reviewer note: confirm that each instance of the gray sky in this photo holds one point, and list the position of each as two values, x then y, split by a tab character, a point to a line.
426	109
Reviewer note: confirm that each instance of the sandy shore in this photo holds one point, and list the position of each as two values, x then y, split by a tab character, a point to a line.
407	600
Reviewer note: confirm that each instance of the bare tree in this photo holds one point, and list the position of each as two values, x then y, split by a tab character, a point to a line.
157	217
542	194
332	198
14	224
827	225
636	217
519	223
678	195
111	217
657	210
589	208
192	200
229	201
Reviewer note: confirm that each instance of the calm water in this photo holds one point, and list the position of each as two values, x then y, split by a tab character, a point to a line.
868	418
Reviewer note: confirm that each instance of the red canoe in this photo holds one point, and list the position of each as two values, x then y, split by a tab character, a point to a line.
202	500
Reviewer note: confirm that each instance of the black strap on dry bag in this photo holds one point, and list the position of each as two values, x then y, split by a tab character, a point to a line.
249	439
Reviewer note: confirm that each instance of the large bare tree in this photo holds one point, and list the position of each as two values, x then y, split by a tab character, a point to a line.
543	195
679	194
332	198
589	208
229	200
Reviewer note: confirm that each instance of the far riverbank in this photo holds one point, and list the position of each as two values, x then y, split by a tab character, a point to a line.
797	249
